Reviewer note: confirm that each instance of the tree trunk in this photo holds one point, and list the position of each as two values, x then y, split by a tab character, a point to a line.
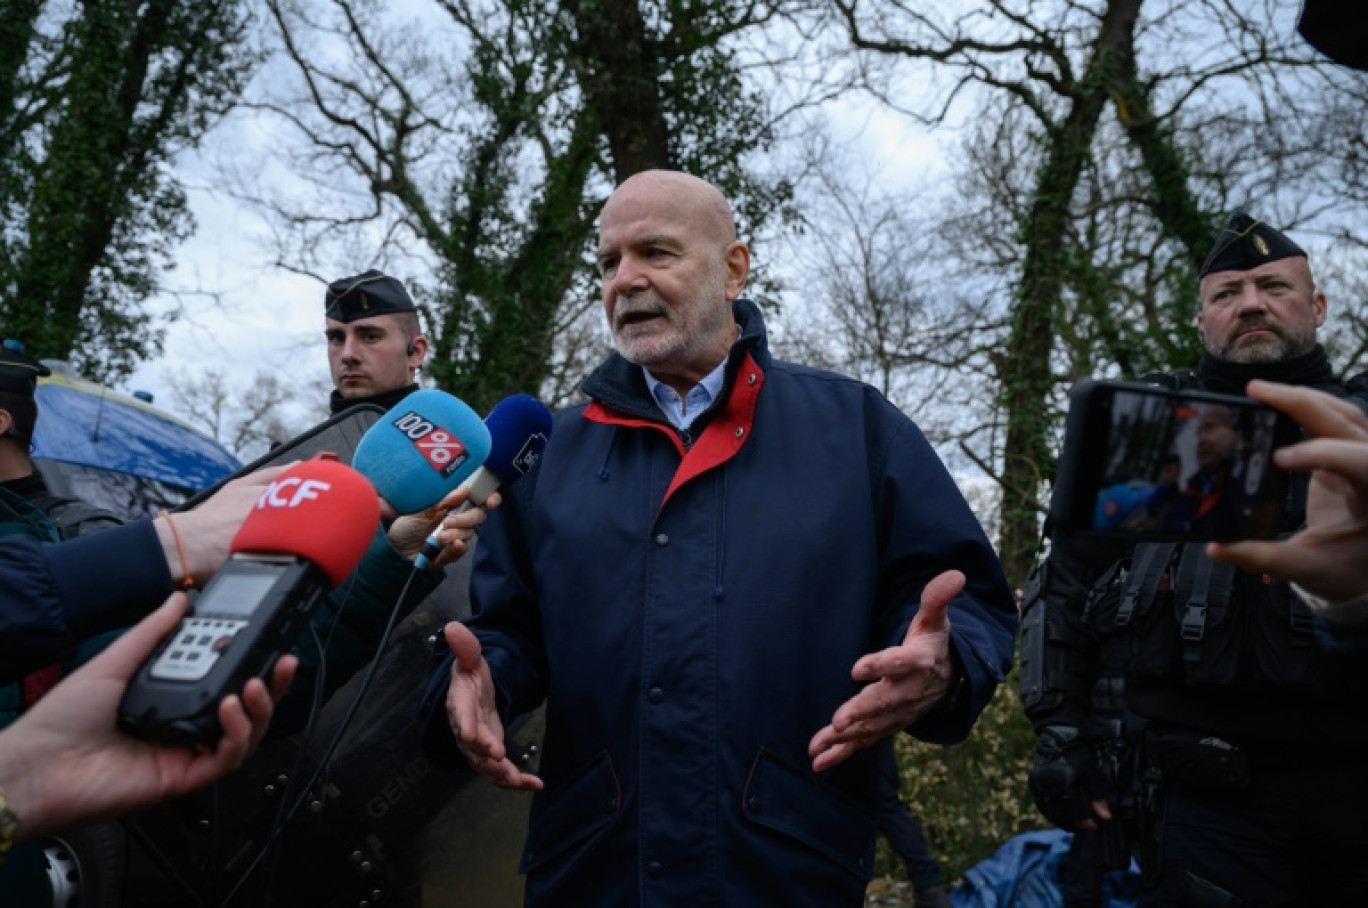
620	70
1028	376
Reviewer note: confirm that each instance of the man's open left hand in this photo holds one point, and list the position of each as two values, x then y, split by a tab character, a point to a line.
906	681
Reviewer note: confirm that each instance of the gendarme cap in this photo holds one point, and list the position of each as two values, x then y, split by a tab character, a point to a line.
365	295
1247	243
18	373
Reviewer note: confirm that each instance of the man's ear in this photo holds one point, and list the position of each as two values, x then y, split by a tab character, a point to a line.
6	422
417	351
737	259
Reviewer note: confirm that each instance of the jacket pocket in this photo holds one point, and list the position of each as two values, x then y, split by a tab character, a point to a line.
583	806
792	801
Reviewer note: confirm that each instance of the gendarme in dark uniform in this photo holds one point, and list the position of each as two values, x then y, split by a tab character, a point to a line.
1254	738
22	489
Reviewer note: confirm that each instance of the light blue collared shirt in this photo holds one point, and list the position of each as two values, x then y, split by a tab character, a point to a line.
681	412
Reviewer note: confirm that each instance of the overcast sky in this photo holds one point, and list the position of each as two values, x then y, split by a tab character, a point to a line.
240	315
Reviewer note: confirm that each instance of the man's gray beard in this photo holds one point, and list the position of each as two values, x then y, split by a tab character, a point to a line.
641	351
1286	348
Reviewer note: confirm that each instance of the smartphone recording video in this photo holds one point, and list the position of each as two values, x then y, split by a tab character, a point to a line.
1146	462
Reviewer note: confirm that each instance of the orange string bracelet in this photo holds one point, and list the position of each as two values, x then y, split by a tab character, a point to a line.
187	581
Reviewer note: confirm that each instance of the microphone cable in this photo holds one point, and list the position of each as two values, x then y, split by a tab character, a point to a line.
352	708
320	684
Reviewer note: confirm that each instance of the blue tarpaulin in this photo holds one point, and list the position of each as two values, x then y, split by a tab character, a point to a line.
1024	873
83	423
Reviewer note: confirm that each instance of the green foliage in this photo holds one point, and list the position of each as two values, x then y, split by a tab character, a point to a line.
93	111
972	797
592	91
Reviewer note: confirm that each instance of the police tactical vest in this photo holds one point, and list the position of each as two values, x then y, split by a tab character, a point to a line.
1194	622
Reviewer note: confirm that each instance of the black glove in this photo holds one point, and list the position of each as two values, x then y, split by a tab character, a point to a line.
1066	777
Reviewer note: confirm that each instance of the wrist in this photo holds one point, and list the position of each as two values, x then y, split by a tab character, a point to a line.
18	796
173	549
955	693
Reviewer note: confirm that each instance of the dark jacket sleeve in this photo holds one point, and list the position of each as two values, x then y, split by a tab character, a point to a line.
504	617
52	596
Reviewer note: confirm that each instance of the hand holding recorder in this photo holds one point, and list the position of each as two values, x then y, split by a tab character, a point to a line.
64	763
305	535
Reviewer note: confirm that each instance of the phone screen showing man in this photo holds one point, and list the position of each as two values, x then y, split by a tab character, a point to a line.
1188	467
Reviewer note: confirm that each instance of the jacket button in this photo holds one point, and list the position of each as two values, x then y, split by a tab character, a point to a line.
740	431
662	539
750	379
657	695
753	803
655	870
611	805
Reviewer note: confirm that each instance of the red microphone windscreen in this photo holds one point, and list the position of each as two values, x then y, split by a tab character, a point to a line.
321	510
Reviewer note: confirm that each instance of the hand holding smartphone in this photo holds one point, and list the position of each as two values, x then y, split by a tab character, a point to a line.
1144	462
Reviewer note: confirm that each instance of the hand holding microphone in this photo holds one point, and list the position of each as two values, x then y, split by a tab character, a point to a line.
447	529
196	543
519	427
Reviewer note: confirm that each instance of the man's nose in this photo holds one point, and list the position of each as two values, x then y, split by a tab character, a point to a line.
1250	299
629	277
349	350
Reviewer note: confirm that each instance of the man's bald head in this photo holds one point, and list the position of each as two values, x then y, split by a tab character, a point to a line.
698	202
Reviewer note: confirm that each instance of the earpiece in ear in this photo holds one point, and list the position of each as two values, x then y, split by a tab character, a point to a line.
409	351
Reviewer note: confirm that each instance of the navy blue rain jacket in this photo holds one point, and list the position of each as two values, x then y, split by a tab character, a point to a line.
54	596
691	616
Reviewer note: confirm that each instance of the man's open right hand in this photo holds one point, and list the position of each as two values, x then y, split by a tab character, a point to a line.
473	717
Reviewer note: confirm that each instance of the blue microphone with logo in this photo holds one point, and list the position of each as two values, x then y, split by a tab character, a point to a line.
424	448
519	427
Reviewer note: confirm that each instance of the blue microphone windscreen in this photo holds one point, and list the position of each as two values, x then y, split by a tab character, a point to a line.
423	448
519	427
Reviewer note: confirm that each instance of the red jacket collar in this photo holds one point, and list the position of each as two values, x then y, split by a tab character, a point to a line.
727	431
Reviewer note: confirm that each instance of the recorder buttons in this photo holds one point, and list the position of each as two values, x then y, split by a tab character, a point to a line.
197	647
